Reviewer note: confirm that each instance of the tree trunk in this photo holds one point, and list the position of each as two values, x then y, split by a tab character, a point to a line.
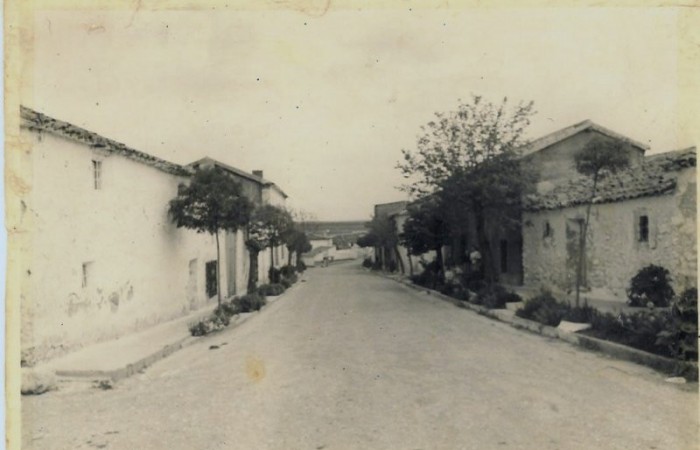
438	260
218	270
402	268
253	274
410	263
289	256
582	243
490	274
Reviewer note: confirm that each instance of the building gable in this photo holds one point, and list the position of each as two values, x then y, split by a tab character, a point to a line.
656	175
555	160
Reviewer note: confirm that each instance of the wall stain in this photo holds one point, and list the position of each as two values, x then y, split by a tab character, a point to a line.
75	304
114	301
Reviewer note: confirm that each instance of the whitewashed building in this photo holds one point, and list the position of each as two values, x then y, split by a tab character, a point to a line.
106	259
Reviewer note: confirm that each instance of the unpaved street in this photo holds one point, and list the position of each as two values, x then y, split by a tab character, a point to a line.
350	360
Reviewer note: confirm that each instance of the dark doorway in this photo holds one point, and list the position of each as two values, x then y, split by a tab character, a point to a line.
210	270
574	228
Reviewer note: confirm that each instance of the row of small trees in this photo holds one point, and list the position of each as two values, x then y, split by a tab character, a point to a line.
214	202
467	176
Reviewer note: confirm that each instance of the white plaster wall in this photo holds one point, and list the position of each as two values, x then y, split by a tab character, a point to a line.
614	256
315	243
272	196
141	261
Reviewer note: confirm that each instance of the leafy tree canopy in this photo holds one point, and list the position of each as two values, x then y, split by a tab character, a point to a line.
425	229
469	159
297	241
601	157
211	202
383	228
267	226
367	240
459	142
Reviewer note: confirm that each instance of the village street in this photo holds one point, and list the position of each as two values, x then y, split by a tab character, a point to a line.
351	360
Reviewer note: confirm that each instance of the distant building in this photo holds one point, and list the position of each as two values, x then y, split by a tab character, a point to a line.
106	259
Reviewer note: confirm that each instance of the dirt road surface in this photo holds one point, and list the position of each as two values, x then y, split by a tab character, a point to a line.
351	360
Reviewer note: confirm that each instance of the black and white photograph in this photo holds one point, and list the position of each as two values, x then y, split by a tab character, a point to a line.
333	225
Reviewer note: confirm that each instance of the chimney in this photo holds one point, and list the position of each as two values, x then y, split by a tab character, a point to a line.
258	173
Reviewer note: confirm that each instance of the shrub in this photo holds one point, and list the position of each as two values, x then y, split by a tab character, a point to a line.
271	289
227	308
639	330
542	308
429	277
426	278
275	274
288	271
550	314
512	297
493	296
579	314
250	302
217	321
446	289
301	265
367	262
651	284
472	280
199	328
459	292
286	283
680	337
293	278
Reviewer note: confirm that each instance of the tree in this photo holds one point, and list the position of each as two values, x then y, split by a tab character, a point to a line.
598	159
367	240
266	228
212	202
470	159
383	237
297	242
425	230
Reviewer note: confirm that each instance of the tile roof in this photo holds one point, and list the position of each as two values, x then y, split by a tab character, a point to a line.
657	175
239	172
565	133
35	120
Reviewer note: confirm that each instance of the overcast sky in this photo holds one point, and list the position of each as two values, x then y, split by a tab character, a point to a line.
324	105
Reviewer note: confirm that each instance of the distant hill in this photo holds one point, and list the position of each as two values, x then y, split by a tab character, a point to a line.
332	229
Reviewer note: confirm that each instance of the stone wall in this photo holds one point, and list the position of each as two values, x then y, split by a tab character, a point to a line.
614	253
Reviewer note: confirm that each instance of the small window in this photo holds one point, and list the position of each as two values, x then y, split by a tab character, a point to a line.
548	232
643	228
97	174
88	268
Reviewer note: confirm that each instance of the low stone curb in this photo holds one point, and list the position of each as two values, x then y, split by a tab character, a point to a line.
613	349
136	367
